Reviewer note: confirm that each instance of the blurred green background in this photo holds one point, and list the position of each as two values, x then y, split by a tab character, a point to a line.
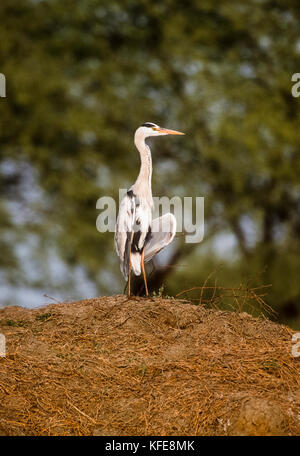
83	75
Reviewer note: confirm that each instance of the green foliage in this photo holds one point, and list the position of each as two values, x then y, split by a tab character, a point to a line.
44	317
81	76
160	293
14	323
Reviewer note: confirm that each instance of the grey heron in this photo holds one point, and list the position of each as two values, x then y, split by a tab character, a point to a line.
138	238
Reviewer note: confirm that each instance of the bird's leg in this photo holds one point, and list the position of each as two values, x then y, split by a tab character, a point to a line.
143	270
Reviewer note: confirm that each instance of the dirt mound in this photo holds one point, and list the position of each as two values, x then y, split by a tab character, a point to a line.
113	366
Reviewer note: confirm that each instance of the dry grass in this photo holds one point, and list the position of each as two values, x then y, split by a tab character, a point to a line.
113	366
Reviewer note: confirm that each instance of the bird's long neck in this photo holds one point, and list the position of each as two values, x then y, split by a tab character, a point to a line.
143	183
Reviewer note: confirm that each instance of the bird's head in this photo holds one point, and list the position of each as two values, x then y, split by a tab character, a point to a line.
151	129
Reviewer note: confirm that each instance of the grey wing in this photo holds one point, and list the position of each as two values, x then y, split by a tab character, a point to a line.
124	232
163	230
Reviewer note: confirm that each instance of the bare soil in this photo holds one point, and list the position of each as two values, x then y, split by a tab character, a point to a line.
113	366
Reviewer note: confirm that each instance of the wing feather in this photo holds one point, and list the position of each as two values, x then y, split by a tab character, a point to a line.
124	230
163	230
132	231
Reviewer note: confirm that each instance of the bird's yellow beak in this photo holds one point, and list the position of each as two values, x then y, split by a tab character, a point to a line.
169	132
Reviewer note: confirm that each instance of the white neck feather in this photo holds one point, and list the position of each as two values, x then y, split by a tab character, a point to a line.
142	185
